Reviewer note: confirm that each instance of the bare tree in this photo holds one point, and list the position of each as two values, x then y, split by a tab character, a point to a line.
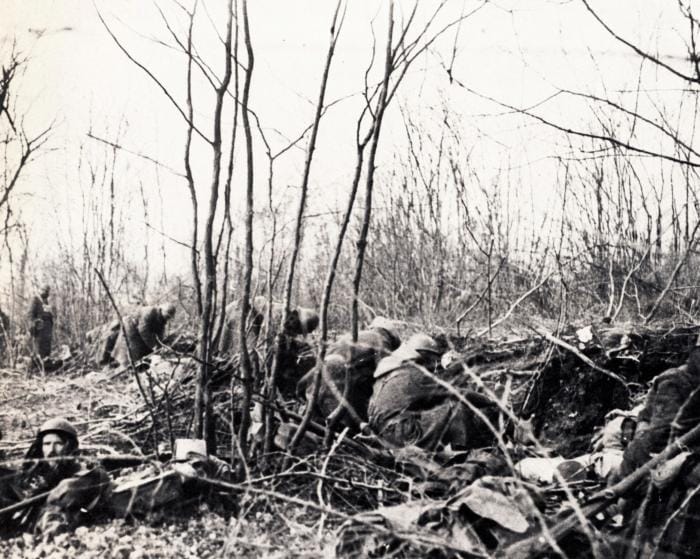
399	56
336	27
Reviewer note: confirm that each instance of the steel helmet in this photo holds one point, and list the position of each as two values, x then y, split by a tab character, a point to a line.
58	425
168	310
389	326
423	342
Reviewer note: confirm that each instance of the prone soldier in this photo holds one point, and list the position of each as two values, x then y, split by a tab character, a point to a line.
55	490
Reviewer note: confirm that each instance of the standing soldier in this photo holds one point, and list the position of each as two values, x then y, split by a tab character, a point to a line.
40	318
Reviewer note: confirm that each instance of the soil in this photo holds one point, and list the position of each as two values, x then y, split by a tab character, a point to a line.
566	398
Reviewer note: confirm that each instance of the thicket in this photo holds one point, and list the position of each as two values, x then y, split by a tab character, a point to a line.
426	235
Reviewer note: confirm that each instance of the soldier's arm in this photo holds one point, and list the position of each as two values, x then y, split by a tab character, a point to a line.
34	311
669	398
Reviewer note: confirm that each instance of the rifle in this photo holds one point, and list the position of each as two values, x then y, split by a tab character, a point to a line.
109	462
23	504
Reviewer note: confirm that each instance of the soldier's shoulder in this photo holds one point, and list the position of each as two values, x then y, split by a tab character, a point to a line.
671	377
149	312
672	373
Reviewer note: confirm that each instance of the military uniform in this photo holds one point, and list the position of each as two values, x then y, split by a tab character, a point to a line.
672	408
144	329
76	489
669	393
355	361
40	318
409	407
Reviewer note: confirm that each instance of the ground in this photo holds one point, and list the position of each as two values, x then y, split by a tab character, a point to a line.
296	514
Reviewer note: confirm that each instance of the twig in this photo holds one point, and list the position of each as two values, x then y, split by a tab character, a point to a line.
319	486
561	343
515	304
129	354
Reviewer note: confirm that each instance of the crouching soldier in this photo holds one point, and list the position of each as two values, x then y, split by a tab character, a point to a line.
354	362
264	323
668	500
410	407
56	490
296	357
145	329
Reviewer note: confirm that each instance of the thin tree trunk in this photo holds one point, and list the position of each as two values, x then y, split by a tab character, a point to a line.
246	369
204	419
298	230
194	256
369	185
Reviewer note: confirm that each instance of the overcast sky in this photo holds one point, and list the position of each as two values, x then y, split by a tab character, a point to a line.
517	51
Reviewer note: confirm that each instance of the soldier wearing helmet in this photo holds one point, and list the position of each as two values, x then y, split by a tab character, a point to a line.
40	322
52	456
73	488
354	362
410	406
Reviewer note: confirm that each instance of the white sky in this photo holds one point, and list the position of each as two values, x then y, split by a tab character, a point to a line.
514	50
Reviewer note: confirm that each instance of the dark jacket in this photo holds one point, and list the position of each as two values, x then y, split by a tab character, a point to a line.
672	391
408	407
355	361
144	329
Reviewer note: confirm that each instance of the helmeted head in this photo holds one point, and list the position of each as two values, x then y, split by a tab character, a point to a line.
168	310
308	319
424	343
301	321
58	438
44	291
388	328
426	346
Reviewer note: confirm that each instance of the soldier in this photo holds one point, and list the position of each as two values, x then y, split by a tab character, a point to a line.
668	394
40	319
672	408
301	321
229	335
409	407
356	361
51	457
75	490
296	356
144	330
